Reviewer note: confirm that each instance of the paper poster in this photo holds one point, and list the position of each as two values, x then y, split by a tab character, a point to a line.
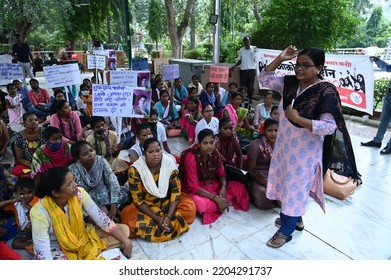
158	65
11	71
170	71
140	63
130	78
96	62
62	75
111	57
351	74
119	101
219	74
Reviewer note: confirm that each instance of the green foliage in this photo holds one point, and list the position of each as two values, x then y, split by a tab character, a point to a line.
380	89
155	25
229	50
305	24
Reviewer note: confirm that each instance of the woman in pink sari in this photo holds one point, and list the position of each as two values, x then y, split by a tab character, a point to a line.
203	178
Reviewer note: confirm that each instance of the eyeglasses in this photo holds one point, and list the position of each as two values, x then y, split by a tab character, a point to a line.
303	66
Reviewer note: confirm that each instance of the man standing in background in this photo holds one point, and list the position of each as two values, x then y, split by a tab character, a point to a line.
21	51
246	60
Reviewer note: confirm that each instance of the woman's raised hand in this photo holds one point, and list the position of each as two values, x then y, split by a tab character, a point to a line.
289	53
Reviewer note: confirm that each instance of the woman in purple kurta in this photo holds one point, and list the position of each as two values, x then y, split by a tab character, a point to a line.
310	109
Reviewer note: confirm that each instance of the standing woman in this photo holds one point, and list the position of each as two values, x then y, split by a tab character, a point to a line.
160	211
258	162
310	112
24	143
67	121
203	178
59	230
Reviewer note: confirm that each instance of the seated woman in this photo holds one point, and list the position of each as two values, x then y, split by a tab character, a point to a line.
238	116
204	179
258	162
81	106
263	109
93	173
208	121
208	96
54	153
105	143
58	95
190	118
67	121
160	211
192	92
228	145
4	138
59	230
167	112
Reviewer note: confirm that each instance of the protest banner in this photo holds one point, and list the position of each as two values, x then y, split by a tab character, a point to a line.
219	74
351	74
140	63
170	71
130	78
96	62
11	71
113	101
62	75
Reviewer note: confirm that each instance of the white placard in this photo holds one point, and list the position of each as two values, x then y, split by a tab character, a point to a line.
110	101
62	75
10	71
130	78
96	61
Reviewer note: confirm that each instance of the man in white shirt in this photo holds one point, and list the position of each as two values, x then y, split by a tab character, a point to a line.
246	60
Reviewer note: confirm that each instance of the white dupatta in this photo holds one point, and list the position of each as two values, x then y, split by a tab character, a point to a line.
146	176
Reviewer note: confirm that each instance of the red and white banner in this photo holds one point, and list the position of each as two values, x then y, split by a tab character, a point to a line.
351	74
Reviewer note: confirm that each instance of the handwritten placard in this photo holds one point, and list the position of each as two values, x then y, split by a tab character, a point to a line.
112	101
140	63
96	62
170	71
10	71
62	75
130	78
219	74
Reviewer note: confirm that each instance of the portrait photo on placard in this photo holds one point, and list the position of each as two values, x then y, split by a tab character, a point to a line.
143	79
141	102
112	61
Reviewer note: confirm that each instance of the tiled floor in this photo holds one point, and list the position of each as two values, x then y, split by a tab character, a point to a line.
357	228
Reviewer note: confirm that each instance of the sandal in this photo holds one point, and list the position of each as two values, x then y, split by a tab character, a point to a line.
277	223
281	236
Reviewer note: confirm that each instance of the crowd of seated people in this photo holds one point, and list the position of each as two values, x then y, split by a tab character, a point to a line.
68	164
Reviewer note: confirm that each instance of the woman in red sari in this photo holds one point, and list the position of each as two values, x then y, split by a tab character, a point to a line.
204	179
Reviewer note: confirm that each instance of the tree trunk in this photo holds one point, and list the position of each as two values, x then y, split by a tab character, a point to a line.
192	32
176	33
256	13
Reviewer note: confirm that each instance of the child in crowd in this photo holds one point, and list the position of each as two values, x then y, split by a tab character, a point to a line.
21	205
24	93
14	105
273	115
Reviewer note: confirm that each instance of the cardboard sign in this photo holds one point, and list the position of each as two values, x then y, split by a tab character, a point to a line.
140	63
158	64
219	74
62	75
116	101
96	62
170	72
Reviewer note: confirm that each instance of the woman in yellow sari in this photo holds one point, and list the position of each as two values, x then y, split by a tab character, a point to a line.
159	212
59	230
